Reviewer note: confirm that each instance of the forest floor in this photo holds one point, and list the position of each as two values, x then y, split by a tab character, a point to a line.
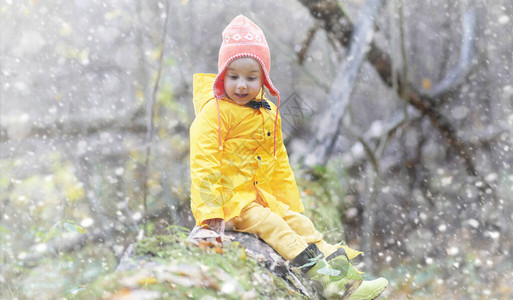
166	267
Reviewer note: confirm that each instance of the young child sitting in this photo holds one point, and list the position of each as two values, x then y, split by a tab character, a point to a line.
240	170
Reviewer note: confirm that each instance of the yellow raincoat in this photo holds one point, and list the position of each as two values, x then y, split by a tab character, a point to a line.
224	181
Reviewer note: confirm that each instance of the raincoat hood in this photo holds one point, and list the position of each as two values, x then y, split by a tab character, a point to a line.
202	90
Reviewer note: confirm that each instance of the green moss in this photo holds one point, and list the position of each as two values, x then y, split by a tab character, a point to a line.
322	196
172	269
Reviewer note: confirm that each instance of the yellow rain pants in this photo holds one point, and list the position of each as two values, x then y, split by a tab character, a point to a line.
289	235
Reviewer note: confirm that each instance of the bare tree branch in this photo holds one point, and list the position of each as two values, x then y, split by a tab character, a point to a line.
85	124
151	112
308	41
458	74
342	87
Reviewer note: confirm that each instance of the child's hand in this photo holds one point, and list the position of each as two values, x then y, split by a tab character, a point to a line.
217	225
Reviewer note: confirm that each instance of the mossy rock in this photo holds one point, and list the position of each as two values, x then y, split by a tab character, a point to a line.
165	267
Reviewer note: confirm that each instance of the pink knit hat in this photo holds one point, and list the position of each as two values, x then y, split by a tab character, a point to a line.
243	38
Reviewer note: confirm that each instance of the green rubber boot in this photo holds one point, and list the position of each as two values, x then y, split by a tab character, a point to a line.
369	290
338	277
345	279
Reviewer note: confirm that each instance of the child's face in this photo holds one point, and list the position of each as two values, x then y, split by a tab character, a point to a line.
243	80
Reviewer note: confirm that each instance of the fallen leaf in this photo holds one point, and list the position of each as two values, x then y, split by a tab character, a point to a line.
121	293
426	84
147	281
218	249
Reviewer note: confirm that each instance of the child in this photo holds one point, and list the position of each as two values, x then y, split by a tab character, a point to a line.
240	170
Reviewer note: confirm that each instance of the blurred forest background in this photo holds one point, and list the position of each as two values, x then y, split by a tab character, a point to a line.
405	130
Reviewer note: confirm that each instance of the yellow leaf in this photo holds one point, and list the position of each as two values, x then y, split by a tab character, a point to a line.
75	192
121	293
218	249
112	15
65	29
155	54
426	84
242	254
147	281
139	94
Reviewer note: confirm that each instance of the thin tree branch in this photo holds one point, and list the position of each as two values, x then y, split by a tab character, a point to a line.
151	112
301	55
458	74
78	125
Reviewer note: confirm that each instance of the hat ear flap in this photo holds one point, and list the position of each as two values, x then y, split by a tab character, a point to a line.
219	91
